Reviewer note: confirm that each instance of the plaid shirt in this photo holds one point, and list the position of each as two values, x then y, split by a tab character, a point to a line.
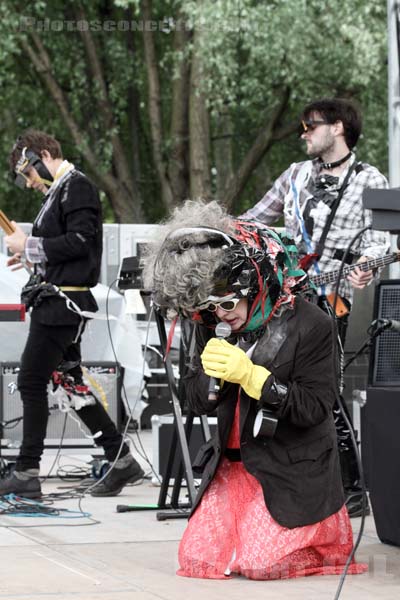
350	217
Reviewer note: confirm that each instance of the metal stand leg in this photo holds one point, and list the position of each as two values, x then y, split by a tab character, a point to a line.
181	434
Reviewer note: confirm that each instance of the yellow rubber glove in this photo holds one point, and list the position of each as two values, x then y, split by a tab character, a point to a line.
224	361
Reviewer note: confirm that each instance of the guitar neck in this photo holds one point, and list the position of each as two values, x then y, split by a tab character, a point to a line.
374	263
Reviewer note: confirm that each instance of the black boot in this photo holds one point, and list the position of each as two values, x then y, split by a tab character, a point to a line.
27	487
351	483
354	503
126	470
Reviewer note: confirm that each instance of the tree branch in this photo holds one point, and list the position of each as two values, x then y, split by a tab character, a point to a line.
106	181
199	129
261	144
155	115
96	71
178	165
105	107
285	130
41	62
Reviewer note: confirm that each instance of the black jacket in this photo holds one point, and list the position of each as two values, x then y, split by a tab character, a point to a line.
298	468
70	224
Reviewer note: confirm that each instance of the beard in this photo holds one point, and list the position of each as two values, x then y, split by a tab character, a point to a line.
324	146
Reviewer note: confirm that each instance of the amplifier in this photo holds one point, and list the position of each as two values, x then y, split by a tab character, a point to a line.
162	431
104	379
159	398
382	424
384	361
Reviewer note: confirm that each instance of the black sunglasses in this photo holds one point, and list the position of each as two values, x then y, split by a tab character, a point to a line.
310	124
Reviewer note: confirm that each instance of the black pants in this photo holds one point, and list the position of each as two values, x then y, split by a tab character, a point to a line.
347	454
46	347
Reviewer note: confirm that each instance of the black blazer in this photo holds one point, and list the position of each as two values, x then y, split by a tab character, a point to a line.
298	468
70	225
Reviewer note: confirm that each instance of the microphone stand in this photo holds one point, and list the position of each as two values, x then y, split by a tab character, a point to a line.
368	342
181	435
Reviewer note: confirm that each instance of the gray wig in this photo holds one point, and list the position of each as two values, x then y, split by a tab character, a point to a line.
180	263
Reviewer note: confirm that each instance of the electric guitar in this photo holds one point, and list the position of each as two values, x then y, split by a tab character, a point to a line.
373	263
332	276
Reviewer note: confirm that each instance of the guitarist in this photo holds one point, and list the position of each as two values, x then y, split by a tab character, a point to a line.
321	202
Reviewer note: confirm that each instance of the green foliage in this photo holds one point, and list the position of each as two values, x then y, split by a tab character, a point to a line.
250	52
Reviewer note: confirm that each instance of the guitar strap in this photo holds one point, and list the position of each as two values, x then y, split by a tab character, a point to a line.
340	308
357	167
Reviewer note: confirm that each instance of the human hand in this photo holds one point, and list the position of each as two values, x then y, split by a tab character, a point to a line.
18	262
225	361
359	278
17	240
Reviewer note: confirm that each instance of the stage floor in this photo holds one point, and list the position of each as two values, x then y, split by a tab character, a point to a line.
131	555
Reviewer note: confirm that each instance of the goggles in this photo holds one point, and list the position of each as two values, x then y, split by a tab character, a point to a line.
27	160
227	304
310	124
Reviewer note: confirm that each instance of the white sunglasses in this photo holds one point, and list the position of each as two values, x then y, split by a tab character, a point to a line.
227	305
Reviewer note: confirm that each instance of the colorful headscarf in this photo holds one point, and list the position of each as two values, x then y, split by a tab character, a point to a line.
264	269
250	260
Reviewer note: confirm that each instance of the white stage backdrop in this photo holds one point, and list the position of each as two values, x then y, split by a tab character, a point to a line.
96	345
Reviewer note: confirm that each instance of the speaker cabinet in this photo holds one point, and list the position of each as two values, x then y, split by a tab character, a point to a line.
104	379
385	356
382	440
162	432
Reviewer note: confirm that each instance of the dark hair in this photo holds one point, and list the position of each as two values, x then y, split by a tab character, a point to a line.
338	109
37	141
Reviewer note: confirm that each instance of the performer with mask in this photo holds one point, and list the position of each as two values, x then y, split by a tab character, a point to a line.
321	202
271	502
65	250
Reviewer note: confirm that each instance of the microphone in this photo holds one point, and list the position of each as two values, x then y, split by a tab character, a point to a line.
222	331
390	324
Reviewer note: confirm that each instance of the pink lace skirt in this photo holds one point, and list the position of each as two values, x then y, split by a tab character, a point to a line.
233	532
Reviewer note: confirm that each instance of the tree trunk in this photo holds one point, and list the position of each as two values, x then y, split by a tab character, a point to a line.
223	152
119	159
119	194
121	201
199	130
133	110
178	167
155	113
260	146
